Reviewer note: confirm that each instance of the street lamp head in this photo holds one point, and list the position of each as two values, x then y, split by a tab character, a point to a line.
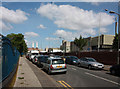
106	9
112	12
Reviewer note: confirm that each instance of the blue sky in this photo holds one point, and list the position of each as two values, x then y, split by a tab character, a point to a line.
46	22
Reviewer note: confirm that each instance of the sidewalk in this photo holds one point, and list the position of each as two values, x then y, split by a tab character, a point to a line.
25	76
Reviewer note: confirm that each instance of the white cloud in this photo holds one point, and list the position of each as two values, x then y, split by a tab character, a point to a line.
71	35
31	34
5	26
103	30
41	26
51	39
81	20
10	16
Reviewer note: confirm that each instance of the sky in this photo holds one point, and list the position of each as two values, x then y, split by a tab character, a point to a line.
48	23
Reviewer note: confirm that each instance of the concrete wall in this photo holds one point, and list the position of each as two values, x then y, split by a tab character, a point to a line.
108	39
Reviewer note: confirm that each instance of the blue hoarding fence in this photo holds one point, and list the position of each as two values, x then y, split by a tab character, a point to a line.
9	58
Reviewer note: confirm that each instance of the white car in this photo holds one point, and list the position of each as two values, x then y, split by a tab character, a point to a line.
55	64
33	53
91	63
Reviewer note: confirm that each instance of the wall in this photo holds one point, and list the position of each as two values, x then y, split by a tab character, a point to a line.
105	57
108	58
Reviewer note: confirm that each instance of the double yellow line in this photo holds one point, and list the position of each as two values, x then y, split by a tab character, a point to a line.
65	84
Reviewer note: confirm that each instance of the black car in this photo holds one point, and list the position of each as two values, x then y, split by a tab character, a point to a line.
115	69
41	60
71	60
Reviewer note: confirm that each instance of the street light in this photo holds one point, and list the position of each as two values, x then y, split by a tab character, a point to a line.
63	47
112	12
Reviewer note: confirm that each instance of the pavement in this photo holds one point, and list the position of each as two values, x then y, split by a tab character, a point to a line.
25	76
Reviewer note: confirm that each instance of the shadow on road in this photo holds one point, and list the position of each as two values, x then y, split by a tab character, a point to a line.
57	73
113	75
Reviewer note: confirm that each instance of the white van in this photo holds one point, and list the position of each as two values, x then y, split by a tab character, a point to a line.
33	53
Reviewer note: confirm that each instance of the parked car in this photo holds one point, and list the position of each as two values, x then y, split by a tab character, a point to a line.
115	69
71	60
33	53
35	59
91	63
55	64
42	60
27	55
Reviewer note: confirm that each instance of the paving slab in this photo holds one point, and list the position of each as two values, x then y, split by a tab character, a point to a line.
25	75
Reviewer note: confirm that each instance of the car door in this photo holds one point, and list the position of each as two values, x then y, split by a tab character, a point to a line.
82	61
48	64
86	62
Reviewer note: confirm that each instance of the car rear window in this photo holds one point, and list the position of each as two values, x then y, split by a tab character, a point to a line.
57	61
34	53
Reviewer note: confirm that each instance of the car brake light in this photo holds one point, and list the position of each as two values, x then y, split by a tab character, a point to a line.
35	59
65	66
51	67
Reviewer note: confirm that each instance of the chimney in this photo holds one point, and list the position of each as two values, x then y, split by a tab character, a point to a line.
36	44
32	44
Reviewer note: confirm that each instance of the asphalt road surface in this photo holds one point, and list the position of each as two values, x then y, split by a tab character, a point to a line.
77	77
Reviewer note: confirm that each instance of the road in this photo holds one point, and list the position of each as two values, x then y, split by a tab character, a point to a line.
77	77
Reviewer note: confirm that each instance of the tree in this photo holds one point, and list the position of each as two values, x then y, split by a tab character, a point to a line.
115	42
81	42
18	41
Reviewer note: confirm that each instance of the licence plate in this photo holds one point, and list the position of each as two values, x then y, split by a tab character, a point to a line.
59	66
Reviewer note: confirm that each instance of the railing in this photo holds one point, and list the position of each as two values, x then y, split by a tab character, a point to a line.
8	58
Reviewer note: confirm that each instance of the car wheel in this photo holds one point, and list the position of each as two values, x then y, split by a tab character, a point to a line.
79	64
65	72
49	72
89	67
38	64
113	72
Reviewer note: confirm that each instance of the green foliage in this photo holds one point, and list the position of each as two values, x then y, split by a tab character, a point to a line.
115	42
18	41
81	42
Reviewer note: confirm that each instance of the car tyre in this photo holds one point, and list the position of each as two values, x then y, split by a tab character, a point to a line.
113	72
89	67
65	72
79	64
49	73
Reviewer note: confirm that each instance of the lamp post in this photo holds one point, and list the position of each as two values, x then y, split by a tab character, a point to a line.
112	12
63	47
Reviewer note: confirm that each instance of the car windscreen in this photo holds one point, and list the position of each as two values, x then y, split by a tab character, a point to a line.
57	61
74	59
91	60
34	53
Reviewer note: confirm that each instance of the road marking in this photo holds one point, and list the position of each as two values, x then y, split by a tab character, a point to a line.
102	78
73	68
65	84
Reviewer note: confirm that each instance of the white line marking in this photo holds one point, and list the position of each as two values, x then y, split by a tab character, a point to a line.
102	78
73	68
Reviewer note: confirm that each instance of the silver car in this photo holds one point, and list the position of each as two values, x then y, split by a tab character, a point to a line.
91	63
55	64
